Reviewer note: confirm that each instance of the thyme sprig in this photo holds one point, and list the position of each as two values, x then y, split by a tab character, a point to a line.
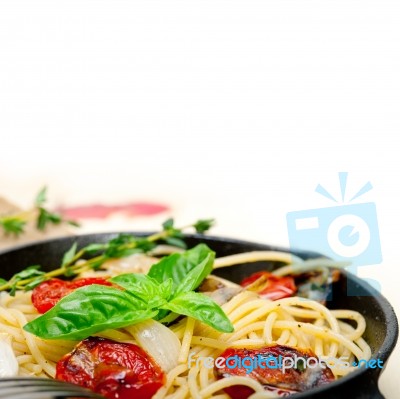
15	223
121	246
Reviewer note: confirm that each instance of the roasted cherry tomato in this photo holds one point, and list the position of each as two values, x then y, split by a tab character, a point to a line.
116	370
270	286
275	367
48	293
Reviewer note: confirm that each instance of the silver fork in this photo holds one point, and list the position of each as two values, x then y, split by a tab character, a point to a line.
42	388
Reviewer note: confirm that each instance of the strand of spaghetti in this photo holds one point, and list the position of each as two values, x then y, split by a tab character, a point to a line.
7	316
180	381
238	300
347	330
254	335
303	313
117	335
322	332
231	381
364	347
170	379
180	393
237	314
187	337
246	309
256	256
284	337
13	331
204	373
307	303
352	315
311	264
332	321
267	333
32	345
253	326
256	313
212	343
25	359
247	343
192	383
318	345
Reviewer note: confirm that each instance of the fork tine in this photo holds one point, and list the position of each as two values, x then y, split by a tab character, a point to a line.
26	382
38	388
55	394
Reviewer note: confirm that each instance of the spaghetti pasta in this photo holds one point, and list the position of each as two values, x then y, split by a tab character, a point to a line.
293	321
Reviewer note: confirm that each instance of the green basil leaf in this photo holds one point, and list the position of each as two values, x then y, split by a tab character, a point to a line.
89	310
69	255
194	278
202	308
145	288
177	266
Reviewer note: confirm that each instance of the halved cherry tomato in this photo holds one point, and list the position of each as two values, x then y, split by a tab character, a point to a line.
48	293
270	286
116	370
268	366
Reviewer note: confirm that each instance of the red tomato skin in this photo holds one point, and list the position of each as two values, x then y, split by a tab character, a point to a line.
48	293
275	287
116	370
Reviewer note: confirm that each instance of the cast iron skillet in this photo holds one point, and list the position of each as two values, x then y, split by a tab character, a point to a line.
382	327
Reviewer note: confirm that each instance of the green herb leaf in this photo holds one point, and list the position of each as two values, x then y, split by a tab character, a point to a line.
176	242
35	282
45	217
31	272
69	255
2	281
13	225
73	223
121	246
41	197
168	224
203	225
202	308
93	248
89	310
300	365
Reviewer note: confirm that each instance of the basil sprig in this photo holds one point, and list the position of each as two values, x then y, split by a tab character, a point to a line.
169	286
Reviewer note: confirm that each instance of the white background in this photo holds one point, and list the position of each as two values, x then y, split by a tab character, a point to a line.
230	109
